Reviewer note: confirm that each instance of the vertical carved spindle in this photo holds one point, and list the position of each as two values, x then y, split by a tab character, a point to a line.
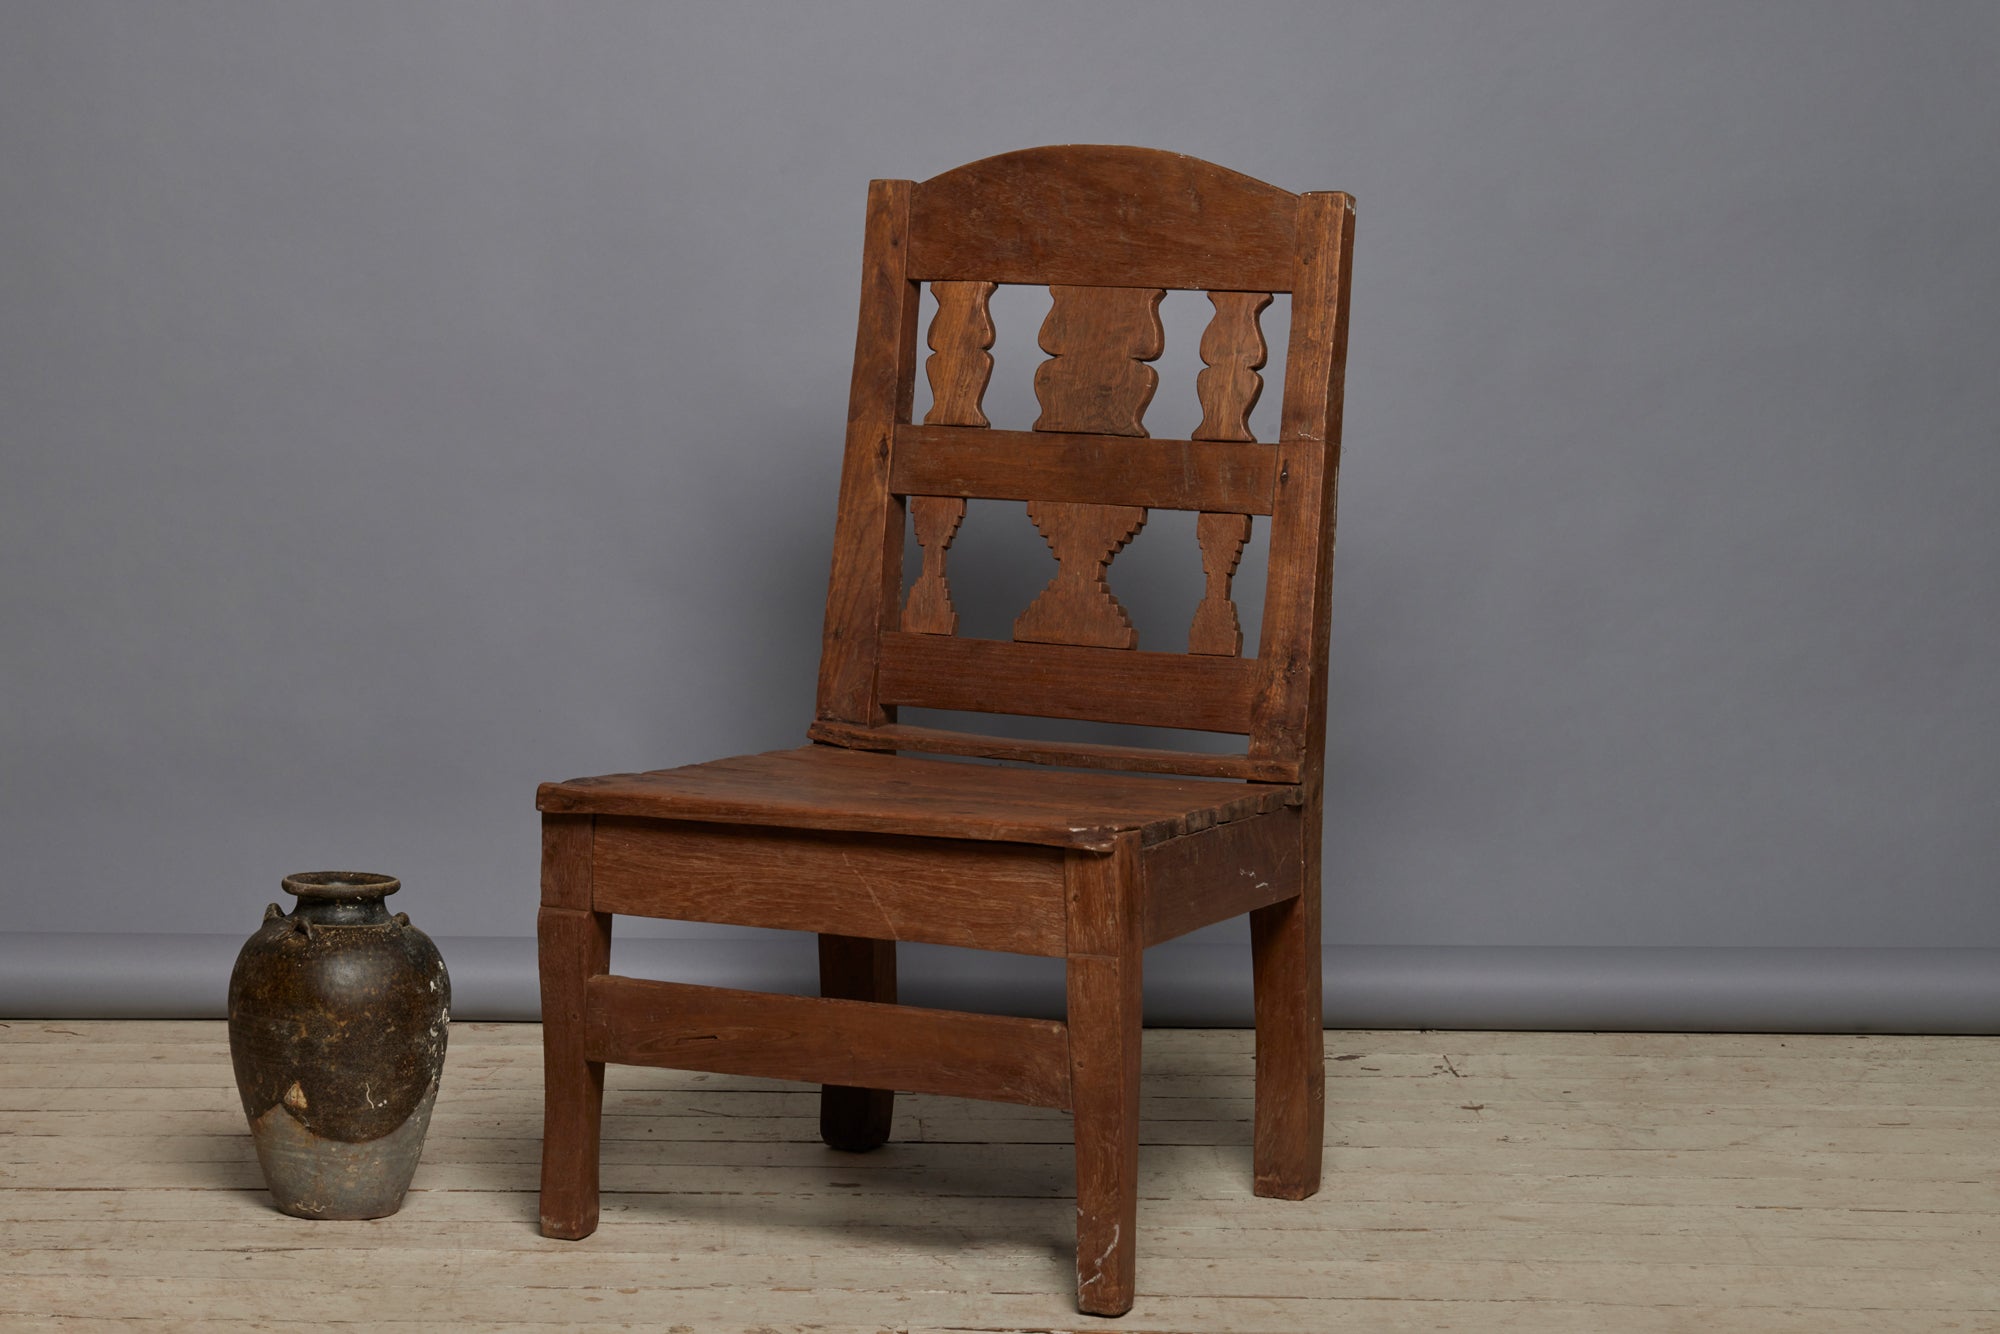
1216	629
1095	381
1099	340
1233	351
929	610
959	368
960	364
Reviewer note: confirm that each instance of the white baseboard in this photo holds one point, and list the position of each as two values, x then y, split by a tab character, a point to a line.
103	975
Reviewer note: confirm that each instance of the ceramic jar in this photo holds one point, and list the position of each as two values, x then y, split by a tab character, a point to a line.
337	1018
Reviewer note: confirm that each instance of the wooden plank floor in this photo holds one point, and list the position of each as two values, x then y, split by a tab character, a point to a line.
1476	1181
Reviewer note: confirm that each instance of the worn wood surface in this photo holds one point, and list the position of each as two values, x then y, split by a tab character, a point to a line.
575	946
1105	1000
960	364
975	894
1525	1183
929	610
1233	351
1081	754
1293	641
1090	469
1064	215
860	845
828	787
1077	606
1072	681
854	1119
823	1040
866	578
1199	879
1217	628
566	843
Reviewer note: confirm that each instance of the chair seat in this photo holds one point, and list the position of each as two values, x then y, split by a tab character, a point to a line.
829	787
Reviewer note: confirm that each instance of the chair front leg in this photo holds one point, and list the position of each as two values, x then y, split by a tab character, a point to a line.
575	946
1291	1040
856	968
1105	1027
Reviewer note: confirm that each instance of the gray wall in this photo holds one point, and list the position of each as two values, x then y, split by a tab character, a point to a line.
402	404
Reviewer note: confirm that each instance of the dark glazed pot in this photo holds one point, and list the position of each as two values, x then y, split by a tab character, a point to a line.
337	1017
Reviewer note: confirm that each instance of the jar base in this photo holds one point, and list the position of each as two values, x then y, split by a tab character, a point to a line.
327	1179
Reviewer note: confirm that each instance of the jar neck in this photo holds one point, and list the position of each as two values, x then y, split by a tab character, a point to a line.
361	910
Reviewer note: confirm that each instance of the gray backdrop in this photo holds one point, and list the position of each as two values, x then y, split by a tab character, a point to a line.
405	403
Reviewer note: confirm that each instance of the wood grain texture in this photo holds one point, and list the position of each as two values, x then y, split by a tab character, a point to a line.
960	364
1217	630
851	1119
1072	214
935	520
979	895
574	946
1090	469
1079	754
1232	352
634	1021
1099	340
1207	694
1077	606
566	861
866	577
1104	987
1291	704
1200	879
827	787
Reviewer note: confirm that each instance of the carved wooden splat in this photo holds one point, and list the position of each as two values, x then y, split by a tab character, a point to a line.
1099	340
959	368
1216	629
1233	350
960	364
929	610
1095	381
1077	606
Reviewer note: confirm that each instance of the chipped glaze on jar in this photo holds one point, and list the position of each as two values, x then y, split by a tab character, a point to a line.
337	1022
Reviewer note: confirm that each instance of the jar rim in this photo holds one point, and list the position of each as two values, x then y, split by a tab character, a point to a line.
341	885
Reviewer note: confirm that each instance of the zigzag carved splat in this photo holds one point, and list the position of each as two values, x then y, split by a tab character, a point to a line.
1077	606
1216	629
929	610
959	368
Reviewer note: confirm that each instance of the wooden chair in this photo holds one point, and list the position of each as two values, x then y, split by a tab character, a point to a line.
1119	848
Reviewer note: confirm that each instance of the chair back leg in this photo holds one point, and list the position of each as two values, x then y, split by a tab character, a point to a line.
1291	1041
856	968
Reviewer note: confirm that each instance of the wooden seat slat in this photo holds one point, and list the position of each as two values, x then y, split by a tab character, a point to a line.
829	787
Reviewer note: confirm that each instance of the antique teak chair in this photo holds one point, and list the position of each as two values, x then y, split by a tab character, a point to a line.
1083	852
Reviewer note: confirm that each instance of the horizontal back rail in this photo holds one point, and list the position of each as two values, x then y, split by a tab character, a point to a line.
858	1044
1064	215
975	462
1203	694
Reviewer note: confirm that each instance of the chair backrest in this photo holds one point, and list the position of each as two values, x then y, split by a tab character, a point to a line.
1108	229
